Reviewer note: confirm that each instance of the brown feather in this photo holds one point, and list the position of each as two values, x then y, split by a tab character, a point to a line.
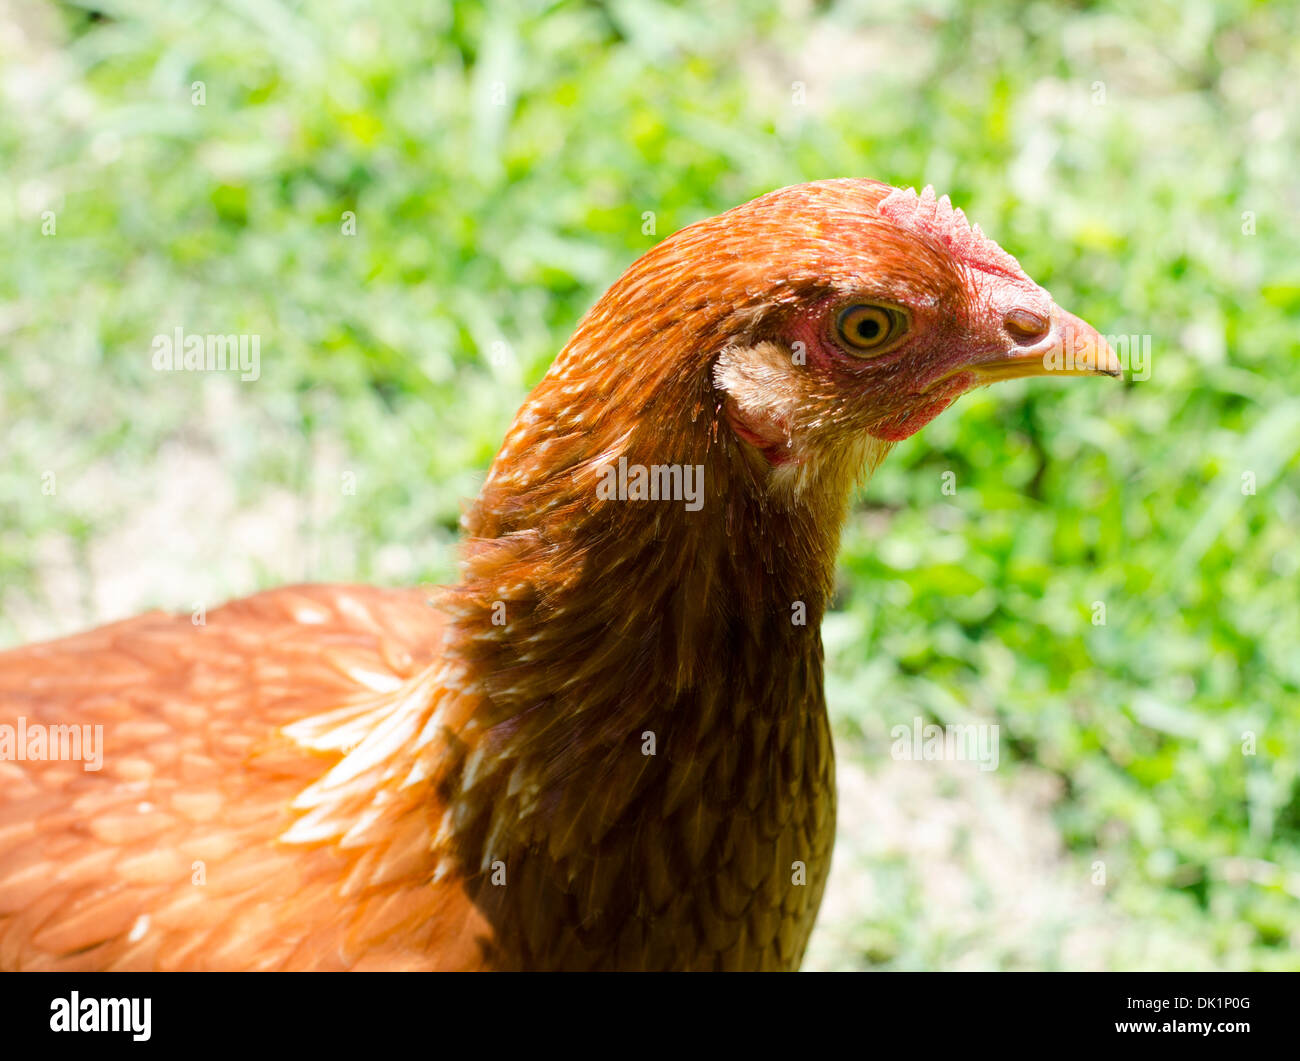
338	777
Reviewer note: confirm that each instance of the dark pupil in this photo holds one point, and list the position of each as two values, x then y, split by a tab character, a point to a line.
868	328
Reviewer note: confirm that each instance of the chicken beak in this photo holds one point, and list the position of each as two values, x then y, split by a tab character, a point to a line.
1071	347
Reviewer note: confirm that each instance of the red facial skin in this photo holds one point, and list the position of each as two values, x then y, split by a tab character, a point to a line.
769	438
971	316
899	390
944	395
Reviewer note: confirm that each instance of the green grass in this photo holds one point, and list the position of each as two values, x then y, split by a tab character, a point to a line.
499	167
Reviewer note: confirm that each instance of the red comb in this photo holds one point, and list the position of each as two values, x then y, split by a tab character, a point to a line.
937	219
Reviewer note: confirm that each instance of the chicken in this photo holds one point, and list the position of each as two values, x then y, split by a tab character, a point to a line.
607	746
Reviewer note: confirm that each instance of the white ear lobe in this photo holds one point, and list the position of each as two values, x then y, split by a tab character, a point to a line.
762	385
762	371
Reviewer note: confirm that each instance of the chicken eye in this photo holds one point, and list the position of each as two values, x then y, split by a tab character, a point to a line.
867	329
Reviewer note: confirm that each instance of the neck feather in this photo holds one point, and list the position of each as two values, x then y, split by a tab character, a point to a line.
584	623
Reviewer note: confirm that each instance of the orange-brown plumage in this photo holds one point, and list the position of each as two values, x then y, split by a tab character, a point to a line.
343	777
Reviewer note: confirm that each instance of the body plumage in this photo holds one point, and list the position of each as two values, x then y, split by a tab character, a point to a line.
606	746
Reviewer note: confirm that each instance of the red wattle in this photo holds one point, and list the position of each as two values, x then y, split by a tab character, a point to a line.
897	430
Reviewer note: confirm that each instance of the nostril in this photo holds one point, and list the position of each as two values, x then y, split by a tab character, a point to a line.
1025	324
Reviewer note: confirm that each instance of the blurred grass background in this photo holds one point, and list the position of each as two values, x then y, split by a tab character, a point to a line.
1139	159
